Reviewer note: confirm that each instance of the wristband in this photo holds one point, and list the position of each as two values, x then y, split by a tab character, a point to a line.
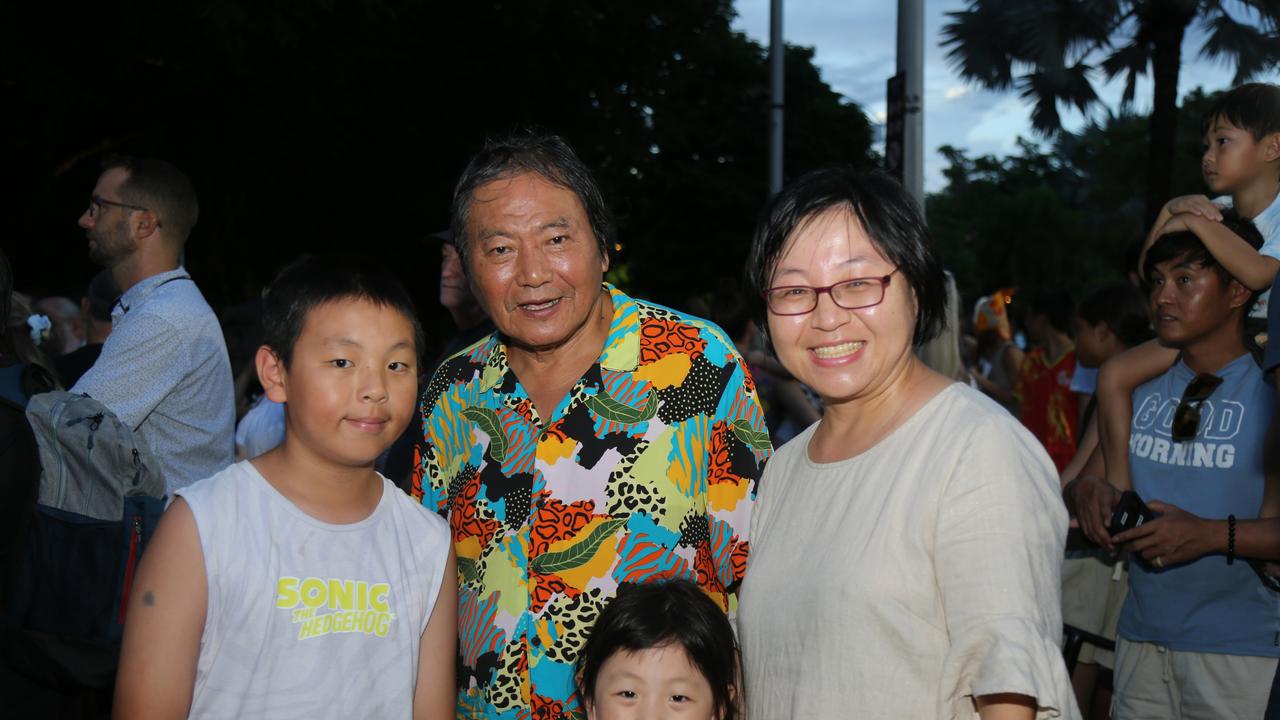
1231	539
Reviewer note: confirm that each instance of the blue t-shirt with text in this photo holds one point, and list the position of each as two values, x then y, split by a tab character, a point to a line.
1205	605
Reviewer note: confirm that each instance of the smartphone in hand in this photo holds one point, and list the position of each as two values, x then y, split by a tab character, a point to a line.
1130	512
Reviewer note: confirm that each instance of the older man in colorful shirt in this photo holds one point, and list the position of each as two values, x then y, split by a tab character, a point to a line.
594	440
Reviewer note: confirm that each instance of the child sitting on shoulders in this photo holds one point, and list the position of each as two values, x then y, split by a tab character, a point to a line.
1241	161
302	583
659	650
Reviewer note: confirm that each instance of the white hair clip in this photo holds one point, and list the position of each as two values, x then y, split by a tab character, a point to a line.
40	327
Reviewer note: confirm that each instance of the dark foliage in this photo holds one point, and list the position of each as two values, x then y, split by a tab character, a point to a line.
1067	216
328	125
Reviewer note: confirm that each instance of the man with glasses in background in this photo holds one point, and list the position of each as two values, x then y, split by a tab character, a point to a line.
1199	635
164	369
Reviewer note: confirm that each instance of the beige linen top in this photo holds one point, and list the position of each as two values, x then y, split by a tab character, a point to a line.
904	581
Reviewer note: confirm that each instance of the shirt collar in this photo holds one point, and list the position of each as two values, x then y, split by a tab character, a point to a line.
1229	371
135	295
621	351
1270	213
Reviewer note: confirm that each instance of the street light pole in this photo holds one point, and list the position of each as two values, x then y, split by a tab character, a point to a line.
911	67
776	52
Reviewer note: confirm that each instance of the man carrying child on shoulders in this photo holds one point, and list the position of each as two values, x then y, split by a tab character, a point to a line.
1197	635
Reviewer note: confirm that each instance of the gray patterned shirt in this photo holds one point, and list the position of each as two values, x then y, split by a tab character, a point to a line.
164	372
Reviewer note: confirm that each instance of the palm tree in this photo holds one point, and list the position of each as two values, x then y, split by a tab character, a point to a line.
1058	46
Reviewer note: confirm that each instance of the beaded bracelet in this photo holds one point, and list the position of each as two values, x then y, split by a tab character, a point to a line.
1231	539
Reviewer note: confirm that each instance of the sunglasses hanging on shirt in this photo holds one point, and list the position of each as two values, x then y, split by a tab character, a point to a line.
1186	419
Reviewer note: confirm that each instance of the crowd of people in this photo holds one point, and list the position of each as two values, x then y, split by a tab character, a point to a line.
840	496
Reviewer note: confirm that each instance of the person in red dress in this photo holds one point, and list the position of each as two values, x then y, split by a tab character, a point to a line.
1046	404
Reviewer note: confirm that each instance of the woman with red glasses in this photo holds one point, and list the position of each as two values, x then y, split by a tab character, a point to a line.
906	549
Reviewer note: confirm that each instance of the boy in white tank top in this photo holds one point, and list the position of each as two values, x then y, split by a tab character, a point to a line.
303	584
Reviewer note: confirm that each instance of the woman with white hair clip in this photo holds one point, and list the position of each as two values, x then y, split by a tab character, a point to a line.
25	369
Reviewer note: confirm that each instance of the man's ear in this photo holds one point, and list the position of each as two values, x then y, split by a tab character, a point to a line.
147	224
1238	294
272	374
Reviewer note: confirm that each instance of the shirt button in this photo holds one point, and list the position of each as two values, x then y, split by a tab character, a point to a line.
536	641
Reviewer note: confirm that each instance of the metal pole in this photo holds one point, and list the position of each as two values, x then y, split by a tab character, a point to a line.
911	64
776	52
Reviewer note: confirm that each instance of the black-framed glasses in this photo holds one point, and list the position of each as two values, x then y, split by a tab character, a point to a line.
1186	419
853	294
98	204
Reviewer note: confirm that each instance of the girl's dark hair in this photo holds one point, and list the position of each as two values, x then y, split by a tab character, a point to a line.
658	614
1123	308
887	213
313	280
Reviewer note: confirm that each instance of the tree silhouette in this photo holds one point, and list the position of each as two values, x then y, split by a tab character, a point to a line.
1064	216
331	124
1050	50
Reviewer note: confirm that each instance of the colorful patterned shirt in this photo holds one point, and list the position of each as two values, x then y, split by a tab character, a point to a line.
645	470
1049	408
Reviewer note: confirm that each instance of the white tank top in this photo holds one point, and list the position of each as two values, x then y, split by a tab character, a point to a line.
307	619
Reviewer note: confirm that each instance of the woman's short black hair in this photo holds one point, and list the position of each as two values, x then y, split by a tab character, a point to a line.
658	614
1123	308
887	213
548	156
313	280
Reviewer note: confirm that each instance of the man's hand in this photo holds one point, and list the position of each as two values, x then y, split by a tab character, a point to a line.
1094	499
1174	537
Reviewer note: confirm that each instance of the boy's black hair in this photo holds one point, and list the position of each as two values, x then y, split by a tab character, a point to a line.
313	280
1254	107
1186	244
1123	308
659	614
1056	306
887	213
